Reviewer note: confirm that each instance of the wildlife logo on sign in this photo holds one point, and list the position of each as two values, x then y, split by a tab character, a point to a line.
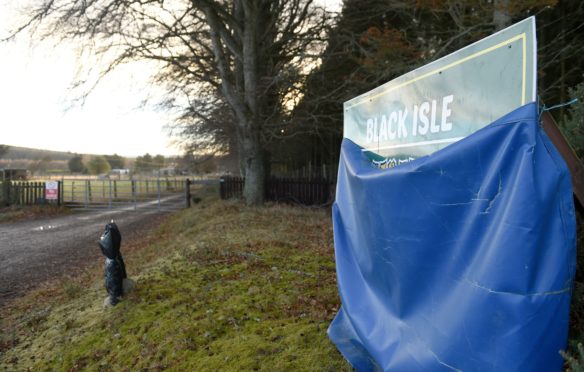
442	102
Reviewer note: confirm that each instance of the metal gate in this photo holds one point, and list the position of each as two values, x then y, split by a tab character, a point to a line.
161	194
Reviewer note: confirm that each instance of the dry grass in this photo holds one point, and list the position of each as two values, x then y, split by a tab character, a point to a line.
219	287
14	213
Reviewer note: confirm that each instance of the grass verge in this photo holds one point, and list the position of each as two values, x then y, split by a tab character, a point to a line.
219	287
17	213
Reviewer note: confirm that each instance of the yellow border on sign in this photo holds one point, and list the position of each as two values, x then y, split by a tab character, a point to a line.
522	37
524	46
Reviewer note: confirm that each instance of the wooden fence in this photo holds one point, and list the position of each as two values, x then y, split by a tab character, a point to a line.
231	187
288	190
24	193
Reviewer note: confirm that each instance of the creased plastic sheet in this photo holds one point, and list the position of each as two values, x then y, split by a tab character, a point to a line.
459	261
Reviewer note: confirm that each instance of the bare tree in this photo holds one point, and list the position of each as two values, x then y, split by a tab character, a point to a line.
238	48
204	126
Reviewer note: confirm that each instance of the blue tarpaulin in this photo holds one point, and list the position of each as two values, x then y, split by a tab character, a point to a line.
461	260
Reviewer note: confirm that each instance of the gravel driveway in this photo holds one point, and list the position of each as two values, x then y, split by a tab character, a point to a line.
34	251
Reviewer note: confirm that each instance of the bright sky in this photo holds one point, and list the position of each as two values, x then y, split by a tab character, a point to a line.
34	102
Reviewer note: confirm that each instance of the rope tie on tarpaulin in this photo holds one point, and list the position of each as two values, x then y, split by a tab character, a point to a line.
544	108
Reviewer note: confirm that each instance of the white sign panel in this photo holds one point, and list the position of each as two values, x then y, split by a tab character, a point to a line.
52	190
440	103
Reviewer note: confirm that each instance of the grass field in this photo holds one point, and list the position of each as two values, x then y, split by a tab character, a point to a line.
219	287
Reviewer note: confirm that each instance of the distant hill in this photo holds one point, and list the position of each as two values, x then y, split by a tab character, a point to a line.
42	162
25	153
36	160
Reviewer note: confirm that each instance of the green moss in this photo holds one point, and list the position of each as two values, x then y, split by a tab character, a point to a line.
237	288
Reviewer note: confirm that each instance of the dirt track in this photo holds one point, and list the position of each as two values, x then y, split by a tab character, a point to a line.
33	251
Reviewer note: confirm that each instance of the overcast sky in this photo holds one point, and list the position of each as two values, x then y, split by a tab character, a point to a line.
34	102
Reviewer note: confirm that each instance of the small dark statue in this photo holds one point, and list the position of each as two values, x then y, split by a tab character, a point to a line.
116	281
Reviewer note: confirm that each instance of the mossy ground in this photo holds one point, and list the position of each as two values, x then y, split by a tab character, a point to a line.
221	286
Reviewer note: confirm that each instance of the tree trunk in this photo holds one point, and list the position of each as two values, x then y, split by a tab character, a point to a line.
253	157
253	163
240	88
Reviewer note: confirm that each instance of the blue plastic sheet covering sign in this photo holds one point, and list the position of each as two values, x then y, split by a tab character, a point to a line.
462	260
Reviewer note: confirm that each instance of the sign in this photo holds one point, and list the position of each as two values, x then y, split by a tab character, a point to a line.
52	190
440	103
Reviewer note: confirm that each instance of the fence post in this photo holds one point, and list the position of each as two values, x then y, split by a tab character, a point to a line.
133	183
13	193
85	194
188	192
61	197
2	194
222	188
110	194
158	185
37	188
9	192
41	192
29	194
19	193
19	196
59	193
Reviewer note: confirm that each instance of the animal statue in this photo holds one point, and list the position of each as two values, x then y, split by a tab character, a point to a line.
115	269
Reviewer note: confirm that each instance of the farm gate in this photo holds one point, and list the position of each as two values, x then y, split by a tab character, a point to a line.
161	194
